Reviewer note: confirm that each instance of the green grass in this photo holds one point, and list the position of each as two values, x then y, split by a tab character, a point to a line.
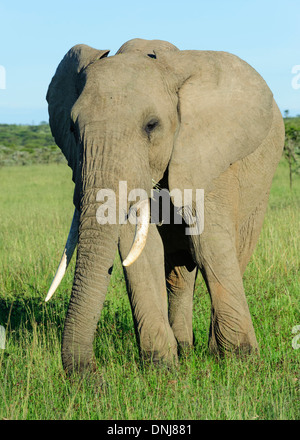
36	211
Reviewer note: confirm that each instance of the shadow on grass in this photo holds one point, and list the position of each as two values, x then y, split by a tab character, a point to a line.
26	312
114	335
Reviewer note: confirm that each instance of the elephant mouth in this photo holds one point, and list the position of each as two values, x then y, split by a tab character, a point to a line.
141	231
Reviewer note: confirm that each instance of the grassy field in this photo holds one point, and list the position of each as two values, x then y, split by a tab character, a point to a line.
36	211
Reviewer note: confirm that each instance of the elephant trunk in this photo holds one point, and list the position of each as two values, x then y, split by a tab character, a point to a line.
97	246
93	267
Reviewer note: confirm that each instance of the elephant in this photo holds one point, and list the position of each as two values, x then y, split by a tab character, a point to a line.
154	116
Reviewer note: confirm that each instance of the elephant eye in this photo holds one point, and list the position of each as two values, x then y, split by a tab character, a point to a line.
151	125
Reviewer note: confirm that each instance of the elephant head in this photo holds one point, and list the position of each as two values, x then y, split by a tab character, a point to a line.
147	112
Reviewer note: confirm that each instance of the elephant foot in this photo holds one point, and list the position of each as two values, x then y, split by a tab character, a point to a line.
224	340
88	374
155	359
93	380
185	349
96	381
239	349
76	365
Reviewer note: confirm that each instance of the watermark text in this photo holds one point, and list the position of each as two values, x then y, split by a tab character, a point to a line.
296	339
2	337
166	207
296	78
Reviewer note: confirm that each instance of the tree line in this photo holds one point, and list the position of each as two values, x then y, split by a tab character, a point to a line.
31	144
28	144
292	146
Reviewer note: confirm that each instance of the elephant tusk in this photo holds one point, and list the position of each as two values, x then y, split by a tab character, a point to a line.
67	254
141	231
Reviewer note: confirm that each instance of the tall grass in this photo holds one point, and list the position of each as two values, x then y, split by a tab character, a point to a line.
36	211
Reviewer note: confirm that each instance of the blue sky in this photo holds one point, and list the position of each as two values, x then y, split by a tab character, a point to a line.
35	35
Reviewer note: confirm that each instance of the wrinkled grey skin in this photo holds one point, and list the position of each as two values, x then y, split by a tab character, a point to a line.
218	129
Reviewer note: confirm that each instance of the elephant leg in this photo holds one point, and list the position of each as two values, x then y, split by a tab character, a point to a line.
145	279
216	253
231	327
180	276
249	233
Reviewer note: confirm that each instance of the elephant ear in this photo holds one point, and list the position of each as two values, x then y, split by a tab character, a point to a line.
225	112
63	93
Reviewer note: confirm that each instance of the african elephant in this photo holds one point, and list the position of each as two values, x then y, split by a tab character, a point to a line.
183	120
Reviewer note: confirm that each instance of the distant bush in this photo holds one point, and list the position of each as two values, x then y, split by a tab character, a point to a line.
28	144
292	146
